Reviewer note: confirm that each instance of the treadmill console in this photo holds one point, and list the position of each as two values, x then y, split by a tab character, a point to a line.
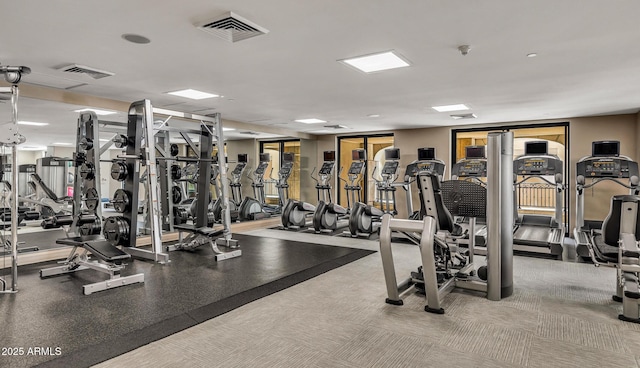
326	168
356	168
414	168
537	165
607	167
390	168
470	168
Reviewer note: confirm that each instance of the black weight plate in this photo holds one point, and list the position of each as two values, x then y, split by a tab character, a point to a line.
121	201
91	199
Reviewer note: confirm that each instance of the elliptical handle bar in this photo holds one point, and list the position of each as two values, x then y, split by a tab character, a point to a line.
312	177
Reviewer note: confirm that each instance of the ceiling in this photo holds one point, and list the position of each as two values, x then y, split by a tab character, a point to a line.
588	61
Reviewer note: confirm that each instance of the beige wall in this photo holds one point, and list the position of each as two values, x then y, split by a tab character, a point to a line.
309	153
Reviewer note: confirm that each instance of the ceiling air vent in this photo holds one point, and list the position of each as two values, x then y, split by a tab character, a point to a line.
81	69
232	27
250	133
337	126
463	116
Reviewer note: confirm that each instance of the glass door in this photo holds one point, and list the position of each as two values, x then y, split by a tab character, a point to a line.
275	150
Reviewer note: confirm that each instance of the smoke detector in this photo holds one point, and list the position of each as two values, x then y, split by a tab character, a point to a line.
231	27
464	49
82	69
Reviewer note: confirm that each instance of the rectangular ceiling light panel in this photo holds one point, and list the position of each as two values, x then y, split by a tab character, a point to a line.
193	94
310	121
447	108
34	123
377	62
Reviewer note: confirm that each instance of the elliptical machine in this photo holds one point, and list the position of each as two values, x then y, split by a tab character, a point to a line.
252	208
328	214
365	219
236	189
294	213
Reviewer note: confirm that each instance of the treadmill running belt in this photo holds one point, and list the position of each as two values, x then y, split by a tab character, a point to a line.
532	235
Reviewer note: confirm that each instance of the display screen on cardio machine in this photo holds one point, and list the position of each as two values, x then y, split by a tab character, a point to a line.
239	167
356	168
390	168
326	168
470	168
432	166
607	167
261	168
537	166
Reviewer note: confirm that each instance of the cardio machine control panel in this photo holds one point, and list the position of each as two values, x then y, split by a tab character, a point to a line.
390	168
436	167
607	167
327	168
356	168
239	168
470	168
537	165
262	166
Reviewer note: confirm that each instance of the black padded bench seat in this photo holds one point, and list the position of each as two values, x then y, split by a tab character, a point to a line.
98	246
603	251
204	231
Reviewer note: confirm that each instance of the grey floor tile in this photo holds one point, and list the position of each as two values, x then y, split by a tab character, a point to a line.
547	353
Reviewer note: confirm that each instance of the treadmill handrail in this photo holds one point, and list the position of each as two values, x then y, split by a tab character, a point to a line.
598	180
540	177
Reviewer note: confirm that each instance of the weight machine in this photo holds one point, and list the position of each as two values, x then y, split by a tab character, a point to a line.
426	162
443	267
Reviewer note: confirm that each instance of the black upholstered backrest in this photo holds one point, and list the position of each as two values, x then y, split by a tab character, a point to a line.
433	205
621	205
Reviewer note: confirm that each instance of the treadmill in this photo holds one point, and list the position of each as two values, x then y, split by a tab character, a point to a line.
472	168
604	164
539	233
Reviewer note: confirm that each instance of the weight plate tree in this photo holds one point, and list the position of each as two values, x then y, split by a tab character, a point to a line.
86	185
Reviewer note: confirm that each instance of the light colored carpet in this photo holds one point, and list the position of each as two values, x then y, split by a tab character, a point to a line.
561	315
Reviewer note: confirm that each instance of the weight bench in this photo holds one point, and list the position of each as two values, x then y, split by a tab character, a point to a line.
199	236
109	259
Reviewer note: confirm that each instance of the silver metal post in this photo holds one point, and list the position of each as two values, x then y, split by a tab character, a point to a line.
493	217
500	215
507	215
154	211
14	194
226	211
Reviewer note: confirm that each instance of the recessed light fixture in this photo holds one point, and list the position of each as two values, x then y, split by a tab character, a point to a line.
61	144
377	62
531	55
321	131
134	38
373	116
31	148
192	94
447	108
105	140
97	111
34	123
310	121
227	129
